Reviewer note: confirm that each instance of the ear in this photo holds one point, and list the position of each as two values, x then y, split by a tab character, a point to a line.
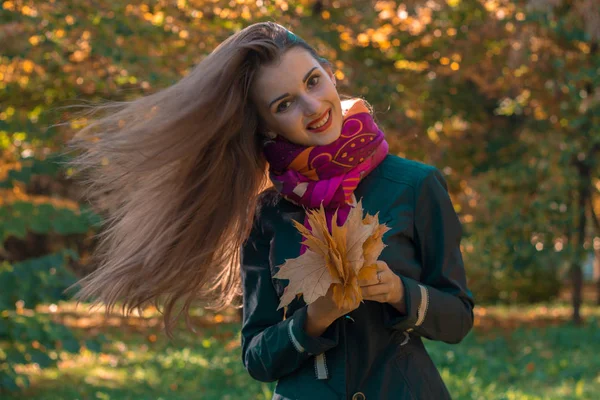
264	130
270	134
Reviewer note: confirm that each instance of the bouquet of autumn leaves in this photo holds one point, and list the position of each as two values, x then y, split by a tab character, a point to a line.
340	258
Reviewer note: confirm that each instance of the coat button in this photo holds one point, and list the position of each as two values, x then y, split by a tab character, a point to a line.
359	396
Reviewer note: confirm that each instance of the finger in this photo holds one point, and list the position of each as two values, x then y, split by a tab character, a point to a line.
382	298
374	290
381	272
367	282
384	277
382	266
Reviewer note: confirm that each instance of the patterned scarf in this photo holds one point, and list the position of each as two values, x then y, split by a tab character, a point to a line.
309	176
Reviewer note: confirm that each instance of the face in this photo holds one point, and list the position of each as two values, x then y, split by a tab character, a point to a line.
297	99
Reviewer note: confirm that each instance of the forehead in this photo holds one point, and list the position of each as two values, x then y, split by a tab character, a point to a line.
278	78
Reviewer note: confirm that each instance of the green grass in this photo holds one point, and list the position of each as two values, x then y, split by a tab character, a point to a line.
557	362
544	362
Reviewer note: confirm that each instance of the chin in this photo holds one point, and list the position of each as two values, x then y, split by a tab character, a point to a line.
332	137
322	140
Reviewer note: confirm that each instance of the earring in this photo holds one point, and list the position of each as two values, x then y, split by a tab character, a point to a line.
271	135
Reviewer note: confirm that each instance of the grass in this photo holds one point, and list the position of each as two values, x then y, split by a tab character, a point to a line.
520	352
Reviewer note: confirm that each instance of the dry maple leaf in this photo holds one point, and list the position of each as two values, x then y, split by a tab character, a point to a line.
307	275
372	248
339	258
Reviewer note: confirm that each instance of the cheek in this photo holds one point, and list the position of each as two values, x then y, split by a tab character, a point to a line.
296	120
291	123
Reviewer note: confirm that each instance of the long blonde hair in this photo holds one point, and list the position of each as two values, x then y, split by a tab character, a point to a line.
177	174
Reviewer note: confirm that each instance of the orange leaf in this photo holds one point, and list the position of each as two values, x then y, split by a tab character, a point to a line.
359	232
368	272
530	367
346	295
374	245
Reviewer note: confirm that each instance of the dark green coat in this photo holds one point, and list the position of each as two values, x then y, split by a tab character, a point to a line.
374	352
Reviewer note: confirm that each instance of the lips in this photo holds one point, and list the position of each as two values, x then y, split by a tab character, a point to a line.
317	119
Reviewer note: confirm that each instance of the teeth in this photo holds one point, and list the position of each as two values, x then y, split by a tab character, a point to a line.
320	124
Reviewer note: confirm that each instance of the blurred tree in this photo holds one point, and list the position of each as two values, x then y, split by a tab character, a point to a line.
500	95
572	30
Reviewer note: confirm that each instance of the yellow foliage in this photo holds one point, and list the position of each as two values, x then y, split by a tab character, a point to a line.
8	5
363	39
432	134
411	65
34	40
27	66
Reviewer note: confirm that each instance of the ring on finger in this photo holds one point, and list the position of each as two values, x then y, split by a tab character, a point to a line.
379	276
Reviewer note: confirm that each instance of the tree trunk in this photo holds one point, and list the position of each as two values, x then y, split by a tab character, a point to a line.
597	275
596	224
584	167
577	281
317	7
576	270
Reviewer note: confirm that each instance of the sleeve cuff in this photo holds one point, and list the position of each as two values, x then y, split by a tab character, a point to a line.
394	319
313	345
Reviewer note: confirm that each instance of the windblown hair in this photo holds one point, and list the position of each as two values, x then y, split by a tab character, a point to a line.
178	174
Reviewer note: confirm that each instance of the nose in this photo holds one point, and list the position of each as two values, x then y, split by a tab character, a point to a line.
311	105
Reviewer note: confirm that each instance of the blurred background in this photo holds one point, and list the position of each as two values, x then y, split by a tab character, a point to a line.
502	96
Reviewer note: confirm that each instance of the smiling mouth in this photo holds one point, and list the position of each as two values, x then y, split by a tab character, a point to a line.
322	123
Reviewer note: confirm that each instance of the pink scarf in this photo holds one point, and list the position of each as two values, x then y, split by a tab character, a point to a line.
309	176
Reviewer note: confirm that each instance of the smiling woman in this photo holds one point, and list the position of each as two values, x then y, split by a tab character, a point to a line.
309	111
181	174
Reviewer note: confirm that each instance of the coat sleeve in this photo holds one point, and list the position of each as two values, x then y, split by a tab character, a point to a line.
272	346
439	306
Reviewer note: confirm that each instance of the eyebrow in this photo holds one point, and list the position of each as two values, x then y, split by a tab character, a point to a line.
287	94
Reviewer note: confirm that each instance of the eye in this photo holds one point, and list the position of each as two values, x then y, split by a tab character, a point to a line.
279	109
313	81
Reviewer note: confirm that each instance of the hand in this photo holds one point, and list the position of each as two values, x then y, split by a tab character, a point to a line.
328	309
323	311
389	289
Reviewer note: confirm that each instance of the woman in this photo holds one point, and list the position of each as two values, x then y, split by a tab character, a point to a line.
182	172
